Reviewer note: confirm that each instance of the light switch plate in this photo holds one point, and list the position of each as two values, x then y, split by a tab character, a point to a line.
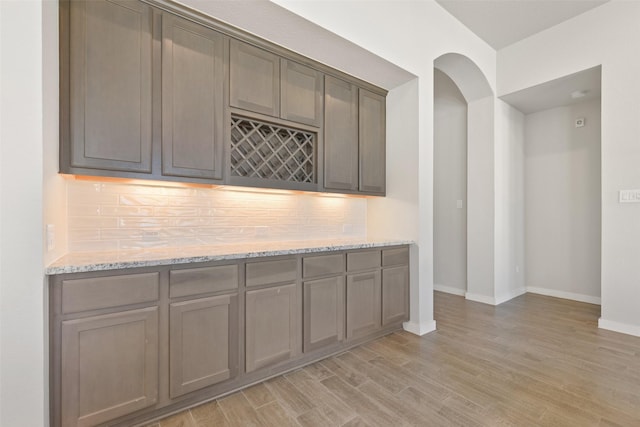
459	204
629	196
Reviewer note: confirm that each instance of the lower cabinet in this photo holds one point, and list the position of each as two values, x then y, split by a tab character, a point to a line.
395	294
271	326
203	343
130	345
363	303
109	366
324	312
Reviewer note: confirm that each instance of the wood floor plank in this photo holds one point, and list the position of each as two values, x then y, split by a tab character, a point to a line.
182	419
356	422
353	378
365	407
335	410
209	414
289	396
239	412
258	395
272	414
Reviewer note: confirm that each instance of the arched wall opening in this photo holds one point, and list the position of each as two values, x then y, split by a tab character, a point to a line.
472	241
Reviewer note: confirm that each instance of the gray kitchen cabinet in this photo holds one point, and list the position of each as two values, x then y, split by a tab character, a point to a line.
372	130
354	138
265	83
272	326
395	294
254	79
301	90
106	91
202	343
395	285
340	135
324	312
363	303
132	344
109	366
193	82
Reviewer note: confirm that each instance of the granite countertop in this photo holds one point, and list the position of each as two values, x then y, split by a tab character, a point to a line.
113	260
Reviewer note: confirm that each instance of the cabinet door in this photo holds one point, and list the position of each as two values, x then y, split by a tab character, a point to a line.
254	79
192	99
395	294
340	135
301	93
363	303
203	343
271	326
109	366
323	312
372	126
110	85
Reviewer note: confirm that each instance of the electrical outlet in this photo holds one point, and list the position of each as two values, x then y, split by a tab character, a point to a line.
51	237
347	228
459	204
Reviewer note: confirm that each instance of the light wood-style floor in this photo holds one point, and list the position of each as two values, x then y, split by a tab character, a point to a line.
533	361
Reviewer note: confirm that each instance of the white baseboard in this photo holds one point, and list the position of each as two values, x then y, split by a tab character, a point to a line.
510	295
449	289
565	295
624	328
419	328
480	298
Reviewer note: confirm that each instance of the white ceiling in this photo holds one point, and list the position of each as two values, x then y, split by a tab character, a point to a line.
504	22
558	92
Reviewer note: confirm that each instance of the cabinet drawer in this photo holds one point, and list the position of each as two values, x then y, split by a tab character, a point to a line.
363	260
322	265
195	281
398	256
268	272
111	291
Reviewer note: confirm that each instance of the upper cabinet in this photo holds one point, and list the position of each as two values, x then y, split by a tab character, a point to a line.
108	68
372	129
254	79
192	99
157	93
354	138
340	135
301	93
265	83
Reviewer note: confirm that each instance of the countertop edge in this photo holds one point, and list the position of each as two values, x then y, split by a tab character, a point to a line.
79	267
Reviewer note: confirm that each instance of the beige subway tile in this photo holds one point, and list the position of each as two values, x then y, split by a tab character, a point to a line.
136	200
175	211
145	222
97	222
125	211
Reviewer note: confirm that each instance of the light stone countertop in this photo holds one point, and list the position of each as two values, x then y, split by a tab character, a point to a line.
113	260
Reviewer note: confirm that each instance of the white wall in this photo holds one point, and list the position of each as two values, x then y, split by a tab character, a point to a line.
420	33
509	202
480	201
22	308
562	188
607	35
450	185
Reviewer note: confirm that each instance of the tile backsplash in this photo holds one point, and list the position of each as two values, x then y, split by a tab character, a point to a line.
116	216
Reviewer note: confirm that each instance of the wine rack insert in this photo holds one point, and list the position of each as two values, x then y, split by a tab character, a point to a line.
263	150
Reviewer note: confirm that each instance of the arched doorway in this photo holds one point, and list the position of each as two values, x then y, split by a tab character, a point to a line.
463	179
